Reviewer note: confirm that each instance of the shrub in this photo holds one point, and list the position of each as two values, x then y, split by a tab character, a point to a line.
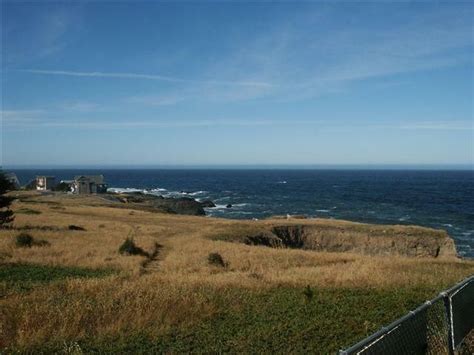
31	185
72	227
63	187
308	294
6	214
216	259
24	240
129	247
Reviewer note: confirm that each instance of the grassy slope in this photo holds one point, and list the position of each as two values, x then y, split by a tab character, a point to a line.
178	302
276	320
24	277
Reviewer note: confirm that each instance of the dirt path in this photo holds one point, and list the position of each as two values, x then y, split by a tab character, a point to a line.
151	263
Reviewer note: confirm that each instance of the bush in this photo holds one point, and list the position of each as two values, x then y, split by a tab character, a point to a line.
72	227
24	240
62	187
6	214
308	294
31	185
216	260
129	247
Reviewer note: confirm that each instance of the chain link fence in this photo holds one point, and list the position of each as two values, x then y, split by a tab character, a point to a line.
437	327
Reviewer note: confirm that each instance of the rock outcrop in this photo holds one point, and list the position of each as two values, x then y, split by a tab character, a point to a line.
409	242
182	205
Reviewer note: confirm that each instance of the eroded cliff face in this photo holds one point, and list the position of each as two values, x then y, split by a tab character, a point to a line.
343	236
435	244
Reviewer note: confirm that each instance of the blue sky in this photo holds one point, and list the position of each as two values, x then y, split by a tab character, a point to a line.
144	83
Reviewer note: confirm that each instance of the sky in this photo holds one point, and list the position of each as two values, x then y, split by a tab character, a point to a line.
218	83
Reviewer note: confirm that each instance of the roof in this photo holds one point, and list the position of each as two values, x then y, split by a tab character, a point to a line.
98	179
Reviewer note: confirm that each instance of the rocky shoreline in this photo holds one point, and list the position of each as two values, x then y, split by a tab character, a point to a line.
175	205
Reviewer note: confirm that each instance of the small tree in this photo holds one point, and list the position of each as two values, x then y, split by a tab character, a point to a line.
6	214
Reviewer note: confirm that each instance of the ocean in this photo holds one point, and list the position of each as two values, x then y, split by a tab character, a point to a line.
438	199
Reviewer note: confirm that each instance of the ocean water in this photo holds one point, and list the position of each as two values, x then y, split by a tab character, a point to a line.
438	199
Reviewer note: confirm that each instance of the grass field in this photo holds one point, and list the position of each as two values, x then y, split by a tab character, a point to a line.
79	293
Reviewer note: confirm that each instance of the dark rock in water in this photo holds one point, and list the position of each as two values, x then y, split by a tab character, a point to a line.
207	203
184	205
136	197
229	205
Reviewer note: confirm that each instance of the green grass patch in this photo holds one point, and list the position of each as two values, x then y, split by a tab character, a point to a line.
23	277
280	320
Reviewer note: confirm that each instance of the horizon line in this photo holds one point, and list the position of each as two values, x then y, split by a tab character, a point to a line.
375	166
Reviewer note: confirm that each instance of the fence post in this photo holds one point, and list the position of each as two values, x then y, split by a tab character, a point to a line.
449	320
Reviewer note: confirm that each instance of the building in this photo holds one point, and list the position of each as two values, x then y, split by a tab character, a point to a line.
89	184
13	179
44	183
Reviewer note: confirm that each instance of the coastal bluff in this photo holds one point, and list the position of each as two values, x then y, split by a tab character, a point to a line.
311	234
344	236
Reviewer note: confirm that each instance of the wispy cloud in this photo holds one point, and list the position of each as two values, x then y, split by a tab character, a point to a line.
158	100
32	119
157	123
43	33
13	117
147	77
294	60
439	126
80	106
308	62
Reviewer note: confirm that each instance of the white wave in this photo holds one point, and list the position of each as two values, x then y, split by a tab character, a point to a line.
218	207
447	225
197	193
282	182
124	190
222	198
224	207
323	211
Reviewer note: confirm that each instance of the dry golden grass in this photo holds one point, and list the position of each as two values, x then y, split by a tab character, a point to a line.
179	286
